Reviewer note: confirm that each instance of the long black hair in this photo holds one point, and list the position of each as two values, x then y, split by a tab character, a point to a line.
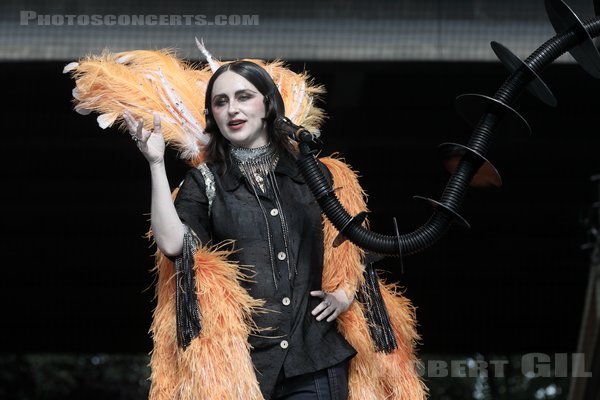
217	147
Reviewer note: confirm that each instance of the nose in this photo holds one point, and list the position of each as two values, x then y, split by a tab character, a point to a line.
233	108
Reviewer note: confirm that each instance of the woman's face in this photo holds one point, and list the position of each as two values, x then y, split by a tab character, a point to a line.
238	109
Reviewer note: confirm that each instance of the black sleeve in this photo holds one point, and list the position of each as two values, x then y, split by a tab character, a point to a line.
191	204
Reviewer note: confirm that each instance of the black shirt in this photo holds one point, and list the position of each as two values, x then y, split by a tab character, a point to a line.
294	341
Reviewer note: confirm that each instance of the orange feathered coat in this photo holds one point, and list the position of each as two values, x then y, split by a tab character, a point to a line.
217	364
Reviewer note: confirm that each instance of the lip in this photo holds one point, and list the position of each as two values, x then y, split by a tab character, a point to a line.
239	123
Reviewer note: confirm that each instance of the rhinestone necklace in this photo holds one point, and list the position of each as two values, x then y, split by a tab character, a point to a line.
256	164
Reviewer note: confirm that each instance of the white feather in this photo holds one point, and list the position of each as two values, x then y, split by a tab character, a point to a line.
106	120
209	58
190	149
82	111
298	96
70	67
180	115
173	99
123	59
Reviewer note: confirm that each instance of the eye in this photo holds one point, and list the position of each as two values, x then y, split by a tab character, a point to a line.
244	97
219	102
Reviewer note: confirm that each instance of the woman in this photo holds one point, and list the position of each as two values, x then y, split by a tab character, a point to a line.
263	204
258	304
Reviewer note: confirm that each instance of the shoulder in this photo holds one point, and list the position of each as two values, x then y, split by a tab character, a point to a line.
206	173
193	175
198	181
338	169
200	174
345	181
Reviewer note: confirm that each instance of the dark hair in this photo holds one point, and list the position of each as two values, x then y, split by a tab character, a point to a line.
216	148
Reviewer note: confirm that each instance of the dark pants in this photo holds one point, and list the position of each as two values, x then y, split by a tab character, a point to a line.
328	384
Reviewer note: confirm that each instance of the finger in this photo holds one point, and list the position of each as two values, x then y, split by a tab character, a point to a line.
325	313
333	316
130	123
139	131
142	134
131	127
318	309
322	295
323	309
157	124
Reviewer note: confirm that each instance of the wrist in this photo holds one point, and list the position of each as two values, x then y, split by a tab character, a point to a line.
343	297
349	294
157	164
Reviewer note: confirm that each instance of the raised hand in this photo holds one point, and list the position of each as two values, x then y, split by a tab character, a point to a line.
151	143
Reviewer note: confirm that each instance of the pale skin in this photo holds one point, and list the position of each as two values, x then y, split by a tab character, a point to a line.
238	108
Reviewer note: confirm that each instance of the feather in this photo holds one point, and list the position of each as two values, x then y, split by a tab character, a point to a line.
123	59
298	96
82	111
156	82
179	109
209	58
106	120
298	93
373	375
113	83
70	67
217	364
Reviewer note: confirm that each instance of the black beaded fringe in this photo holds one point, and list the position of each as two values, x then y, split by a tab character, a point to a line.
187	308
380	327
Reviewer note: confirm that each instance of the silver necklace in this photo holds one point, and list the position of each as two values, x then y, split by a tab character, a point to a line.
256	164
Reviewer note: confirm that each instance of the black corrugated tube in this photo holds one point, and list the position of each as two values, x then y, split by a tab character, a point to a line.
457	185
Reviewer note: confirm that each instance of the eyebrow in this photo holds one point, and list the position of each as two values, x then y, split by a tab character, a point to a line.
236	93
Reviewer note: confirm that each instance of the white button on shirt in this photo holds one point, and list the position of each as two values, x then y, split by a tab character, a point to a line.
286	301
274	212
281	255
284	344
